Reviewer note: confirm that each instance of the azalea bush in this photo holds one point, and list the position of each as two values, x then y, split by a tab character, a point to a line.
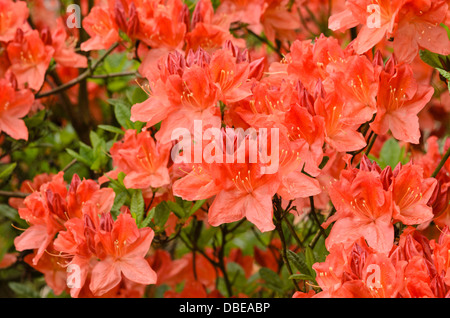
255	148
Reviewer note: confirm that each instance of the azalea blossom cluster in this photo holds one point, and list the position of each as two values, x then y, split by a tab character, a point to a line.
415	268
26	54
412	25
307	109
102	249
291	134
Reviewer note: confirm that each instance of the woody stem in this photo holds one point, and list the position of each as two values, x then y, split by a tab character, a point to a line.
88	72
292	230
278	211
320	231
264	40
314	215
441	163
12	194
221	262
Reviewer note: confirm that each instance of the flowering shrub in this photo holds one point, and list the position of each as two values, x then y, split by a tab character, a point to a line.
227	148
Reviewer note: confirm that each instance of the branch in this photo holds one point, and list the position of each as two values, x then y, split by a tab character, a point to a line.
292	230
81	77
266	41
11	194
441	163
316	219
120	74
70	164
319	232
278	210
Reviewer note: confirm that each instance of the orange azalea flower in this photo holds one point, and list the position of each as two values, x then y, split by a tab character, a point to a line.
180	94
209	30
230	75
279	22
30	186
243	11
379	19
15	104
400	98
144	161
162	24
102	28
55	275
340	126
29	58
13	15
48	209
363	208
411	193
240	189
64	50
419	28
356	80
122	250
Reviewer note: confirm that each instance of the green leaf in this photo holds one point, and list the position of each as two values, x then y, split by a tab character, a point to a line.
145	222
116	85
6	170
35	120
119	201
176	209
77	156
95	138
431	58
7	237
299	261
301	277
112	129
390	154
136	95
444	73
310	259
137	206
206	235
271	279
197	205
23	290
8	212
122	112
162	213
237	277
446	28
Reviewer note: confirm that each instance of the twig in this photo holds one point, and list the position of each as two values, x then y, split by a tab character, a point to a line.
302	19
278	210
221	258
319	232
292	230
266	41
316	219
13	194
111	75
372	141
70	164
441	163
80	77
357	152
